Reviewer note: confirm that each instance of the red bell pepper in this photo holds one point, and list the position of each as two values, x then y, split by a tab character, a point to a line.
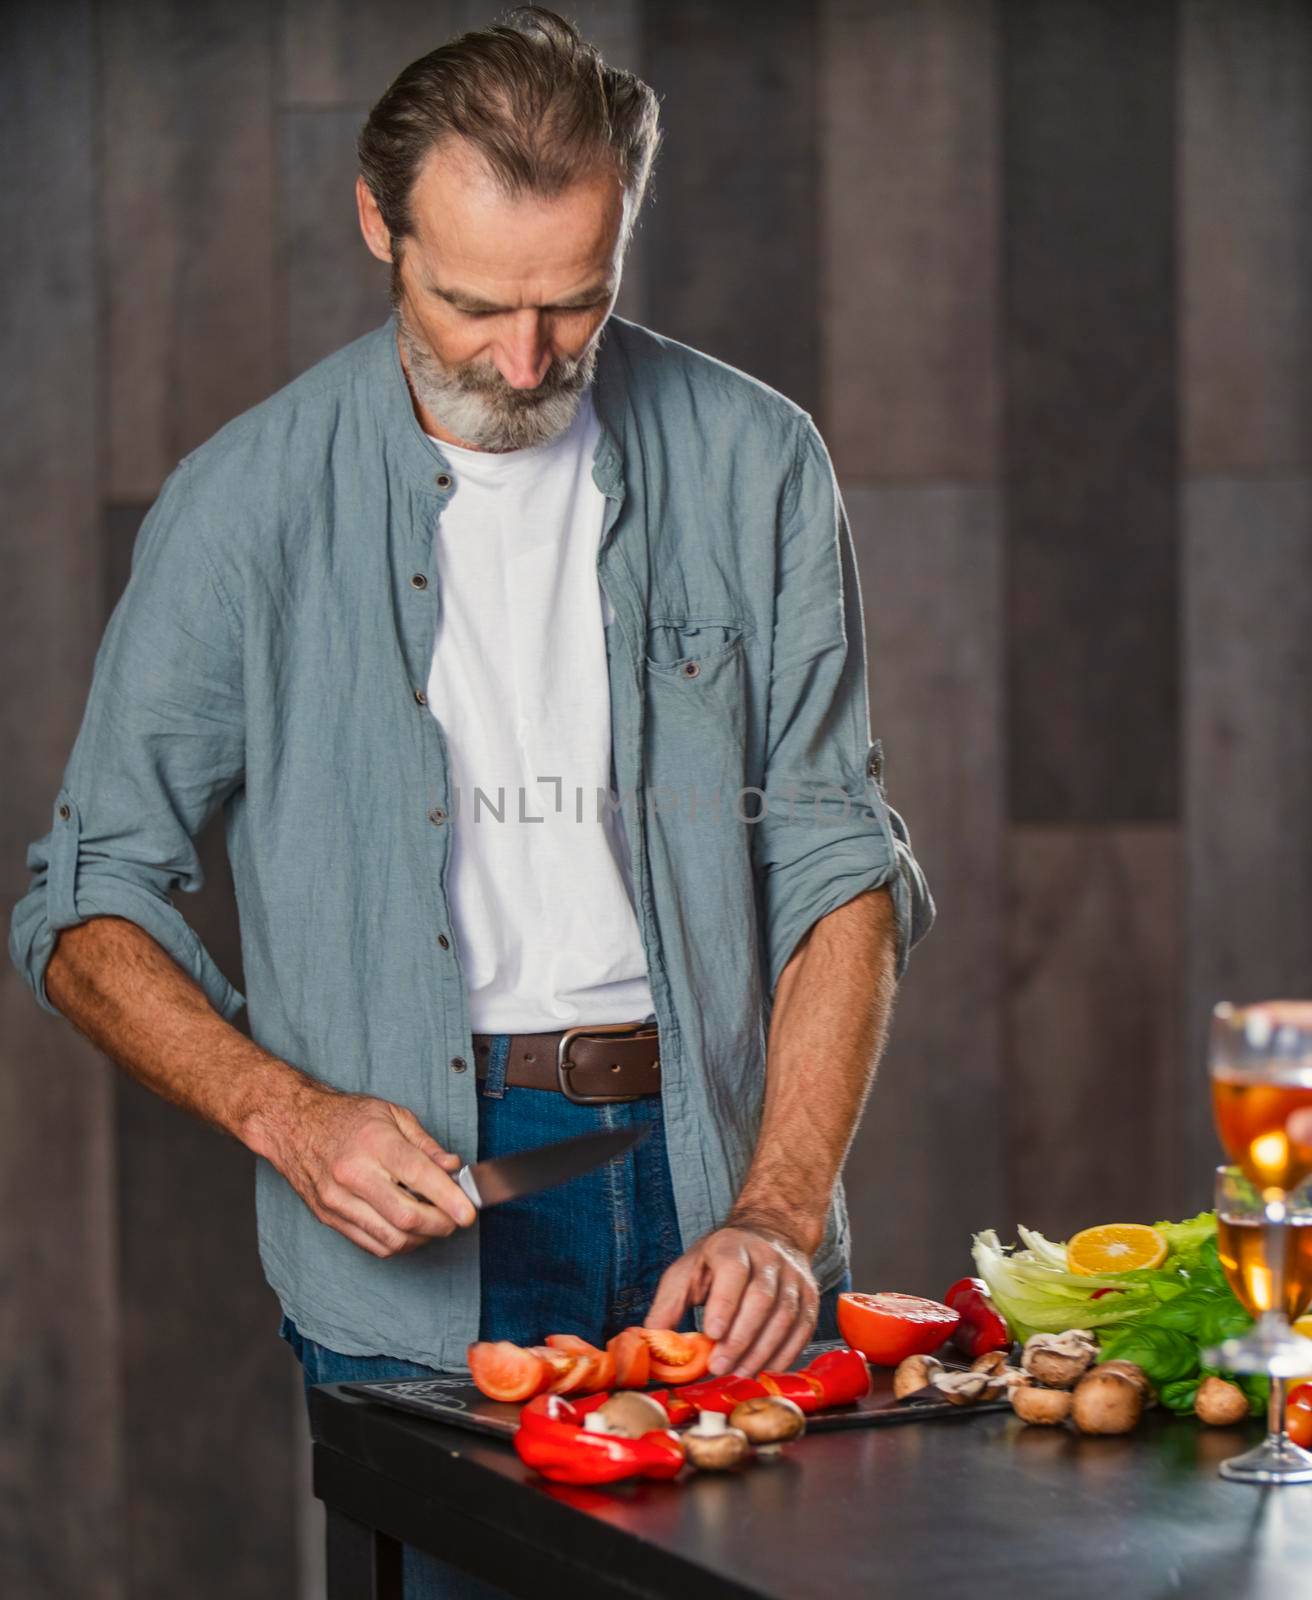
711	1394
803	1388
982	1327
551	1439
844	1376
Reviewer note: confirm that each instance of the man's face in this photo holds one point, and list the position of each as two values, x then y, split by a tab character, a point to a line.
500	303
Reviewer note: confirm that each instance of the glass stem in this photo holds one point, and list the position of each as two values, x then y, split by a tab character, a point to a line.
1275	1412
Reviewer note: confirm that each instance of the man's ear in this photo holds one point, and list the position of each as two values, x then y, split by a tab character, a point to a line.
372	225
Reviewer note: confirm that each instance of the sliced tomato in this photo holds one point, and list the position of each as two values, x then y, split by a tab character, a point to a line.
632	1356
503	1371
602	1375
557	1362
578	1379
678	1357
887	1328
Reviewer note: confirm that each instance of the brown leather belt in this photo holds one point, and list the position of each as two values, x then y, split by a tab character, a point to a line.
591	1066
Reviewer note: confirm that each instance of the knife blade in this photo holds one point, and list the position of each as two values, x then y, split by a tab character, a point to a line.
489	1183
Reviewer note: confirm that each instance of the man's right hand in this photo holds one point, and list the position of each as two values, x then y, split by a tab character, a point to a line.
347	1156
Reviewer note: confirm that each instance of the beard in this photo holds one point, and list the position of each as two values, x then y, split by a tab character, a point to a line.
477	405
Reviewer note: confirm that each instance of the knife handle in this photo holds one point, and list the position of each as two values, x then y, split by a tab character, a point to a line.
465	1178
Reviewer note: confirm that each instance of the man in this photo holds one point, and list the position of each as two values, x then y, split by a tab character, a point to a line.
522	649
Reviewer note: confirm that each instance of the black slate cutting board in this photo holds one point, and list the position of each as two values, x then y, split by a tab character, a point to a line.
454	1400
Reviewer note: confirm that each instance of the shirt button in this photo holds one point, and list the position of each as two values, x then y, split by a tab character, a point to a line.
65	812
421	697
418	581
443	941
690	669
444	480
459	1064
437	815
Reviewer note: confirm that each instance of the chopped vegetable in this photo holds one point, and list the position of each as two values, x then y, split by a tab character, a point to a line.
632	1356
804	1389
505	1372
553	1438
678	1357
843	1374
982	1327
887	1328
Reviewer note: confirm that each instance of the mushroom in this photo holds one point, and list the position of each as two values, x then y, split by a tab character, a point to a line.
712	1445
990	1363
631	1414
768	1420
1220	1403
914	1374
1059	1359
1106	1402
1136	1374
1005	1379
961	1388
1046	1407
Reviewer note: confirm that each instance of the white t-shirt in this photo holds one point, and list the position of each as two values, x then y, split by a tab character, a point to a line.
543	910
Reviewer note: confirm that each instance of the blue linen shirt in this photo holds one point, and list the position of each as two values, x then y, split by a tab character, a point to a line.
265	658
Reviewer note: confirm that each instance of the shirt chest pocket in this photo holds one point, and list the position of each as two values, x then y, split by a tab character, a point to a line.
697	694
693	648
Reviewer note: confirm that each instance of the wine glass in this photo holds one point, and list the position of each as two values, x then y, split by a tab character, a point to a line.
1243	1242
1261	1065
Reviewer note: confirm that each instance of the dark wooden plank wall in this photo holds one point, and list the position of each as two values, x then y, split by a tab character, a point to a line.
1041	271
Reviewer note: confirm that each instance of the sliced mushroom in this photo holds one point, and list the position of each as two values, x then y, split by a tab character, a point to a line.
712	1445
1106	1402
961	1388
914	1374
769	1421
1045	1407
990	1363
1005	1379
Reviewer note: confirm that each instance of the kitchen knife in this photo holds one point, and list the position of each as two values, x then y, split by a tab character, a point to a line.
488	1183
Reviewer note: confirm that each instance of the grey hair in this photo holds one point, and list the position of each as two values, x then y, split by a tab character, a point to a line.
535	99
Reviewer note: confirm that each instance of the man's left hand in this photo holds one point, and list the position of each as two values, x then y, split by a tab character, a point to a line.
760	1296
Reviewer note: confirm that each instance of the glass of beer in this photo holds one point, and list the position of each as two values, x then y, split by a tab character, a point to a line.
1261	1067
1244	1247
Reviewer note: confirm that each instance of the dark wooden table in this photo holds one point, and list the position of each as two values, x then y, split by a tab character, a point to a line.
978	1507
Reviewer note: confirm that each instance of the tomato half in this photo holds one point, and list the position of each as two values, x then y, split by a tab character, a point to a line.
502	1371
632	1356
887	1328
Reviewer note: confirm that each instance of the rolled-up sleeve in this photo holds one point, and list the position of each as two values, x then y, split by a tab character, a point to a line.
825	831
160	748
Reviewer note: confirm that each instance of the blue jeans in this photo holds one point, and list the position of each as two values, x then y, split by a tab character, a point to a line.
582	1258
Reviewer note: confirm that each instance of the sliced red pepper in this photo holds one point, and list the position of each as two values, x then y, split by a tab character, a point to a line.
804	1388
718	1394
982	1327
550	1439
844	1375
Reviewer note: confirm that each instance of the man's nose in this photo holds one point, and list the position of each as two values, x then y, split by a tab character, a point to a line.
525	353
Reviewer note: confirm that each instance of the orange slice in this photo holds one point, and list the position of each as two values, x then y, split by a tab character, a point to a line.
1115	1247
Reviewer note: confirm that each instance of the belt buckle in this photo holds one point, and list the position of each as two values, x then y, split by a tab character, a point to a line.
564	1066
